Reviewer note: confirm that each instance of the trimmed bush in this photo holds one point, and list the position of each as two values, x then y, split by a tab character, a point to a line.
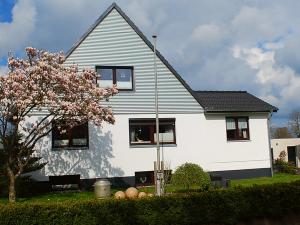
212	207
190	174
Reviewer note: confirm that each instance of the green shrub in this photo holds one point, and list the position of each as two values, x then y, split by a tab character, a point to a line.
282	166
228	206
190	174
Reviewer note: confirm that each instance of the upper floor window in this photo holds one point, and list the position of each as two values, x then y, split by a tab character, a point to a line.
74	137
121	76
237	128
143	131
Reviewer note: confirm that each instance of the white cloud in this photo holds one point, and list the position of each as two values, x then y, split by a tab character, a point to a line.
271	76
255	57
256	23
13	35
207	33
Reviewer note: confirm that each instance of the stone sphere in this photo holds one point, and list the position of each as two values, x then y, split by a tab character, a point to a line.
150	195
131	193
142	195
120	195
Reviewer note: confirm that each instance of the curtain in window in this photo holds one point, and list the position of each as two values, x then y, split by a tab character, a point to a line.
242	123
230	123
166	136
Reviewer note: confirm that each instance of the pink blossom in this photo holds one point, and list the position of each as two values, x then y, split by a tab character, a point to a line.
43	82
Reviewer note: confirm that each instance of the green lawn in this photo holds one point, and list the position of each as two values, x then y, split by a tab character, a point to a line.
55	197
277	178
66	196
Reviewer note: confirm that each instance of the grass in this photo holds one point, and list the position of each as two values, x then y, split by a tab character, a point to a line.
89	195
55	197
277	178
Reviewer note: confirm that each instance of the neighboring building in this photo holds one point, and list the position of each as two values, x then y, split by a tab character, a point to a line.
291	146
226	132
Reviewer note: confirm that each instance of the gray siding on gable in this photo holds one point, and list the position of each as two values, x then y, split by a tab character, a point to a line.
113	42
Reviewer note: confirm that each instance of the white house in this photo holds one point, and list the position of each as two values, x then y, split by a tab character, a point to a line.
225	132
291	147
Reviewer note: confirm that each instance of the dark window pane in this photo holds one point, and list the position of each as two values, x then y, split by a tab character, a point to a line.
106	77
144	131
140	134
237	128
75	137
231	134
60	139
80	135
124	78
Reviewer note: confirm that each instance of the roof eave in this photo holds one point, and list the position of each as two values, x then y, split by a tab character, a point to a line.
239	111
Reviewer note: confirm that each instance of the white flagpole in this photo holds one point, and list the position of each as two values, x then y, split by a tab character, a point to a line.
159	180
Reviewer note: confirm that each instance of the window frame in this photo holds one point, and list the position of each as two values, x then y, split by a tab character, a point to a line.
152	129
114	75
70	139
237	138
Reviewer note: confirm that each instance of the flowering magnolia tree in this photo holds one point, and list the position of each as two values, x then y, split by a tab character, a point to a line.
42	84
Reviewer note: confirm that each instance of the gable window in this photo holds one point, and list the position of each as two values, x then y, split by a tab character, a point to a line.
237	128
143	131
121	76
74	137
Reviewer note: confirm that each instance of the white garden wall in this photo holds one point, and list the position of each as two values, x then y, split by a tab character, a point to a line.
282	144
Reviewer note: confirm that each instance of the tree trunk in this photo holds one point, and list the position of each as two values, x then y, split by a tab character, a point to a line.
11	187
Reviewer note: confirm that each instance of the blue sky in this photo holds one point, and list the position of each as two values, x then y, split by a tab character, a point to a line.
6	7
248	45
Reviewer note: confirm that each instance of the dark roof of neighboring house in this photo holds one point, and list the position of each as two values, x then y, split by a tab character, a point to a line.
232	101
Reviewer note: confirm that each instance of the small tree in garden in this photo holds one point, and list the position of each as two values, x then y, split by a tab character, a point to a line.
190	174
42	84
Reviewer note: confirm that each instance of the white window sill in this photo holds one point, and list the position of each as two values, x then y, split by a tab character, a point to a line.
238	141
70	149
152	146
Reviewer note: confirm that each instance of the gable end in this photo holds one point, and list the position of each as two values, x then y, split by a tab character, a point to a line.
142	36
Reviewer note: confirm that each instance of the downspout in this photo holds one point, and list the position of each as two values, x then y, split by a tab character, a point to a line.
270	149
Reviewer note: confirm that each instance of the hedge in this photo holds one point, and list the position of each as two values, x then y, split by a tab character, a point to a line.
211	207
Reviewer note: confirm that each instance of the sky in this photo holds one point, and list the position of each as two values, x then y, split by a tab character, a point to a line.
250	45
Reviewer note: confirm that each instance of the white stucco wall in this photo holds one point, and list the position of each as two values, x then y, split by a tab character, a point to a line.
200	139
282	144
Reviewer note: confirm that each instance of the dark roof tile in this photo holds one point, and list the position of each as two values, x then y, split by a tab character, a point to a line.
232	101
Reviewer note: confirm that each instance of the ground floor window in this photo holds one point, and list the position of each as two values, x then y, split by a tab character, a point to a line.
237	128
143	131
74	137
